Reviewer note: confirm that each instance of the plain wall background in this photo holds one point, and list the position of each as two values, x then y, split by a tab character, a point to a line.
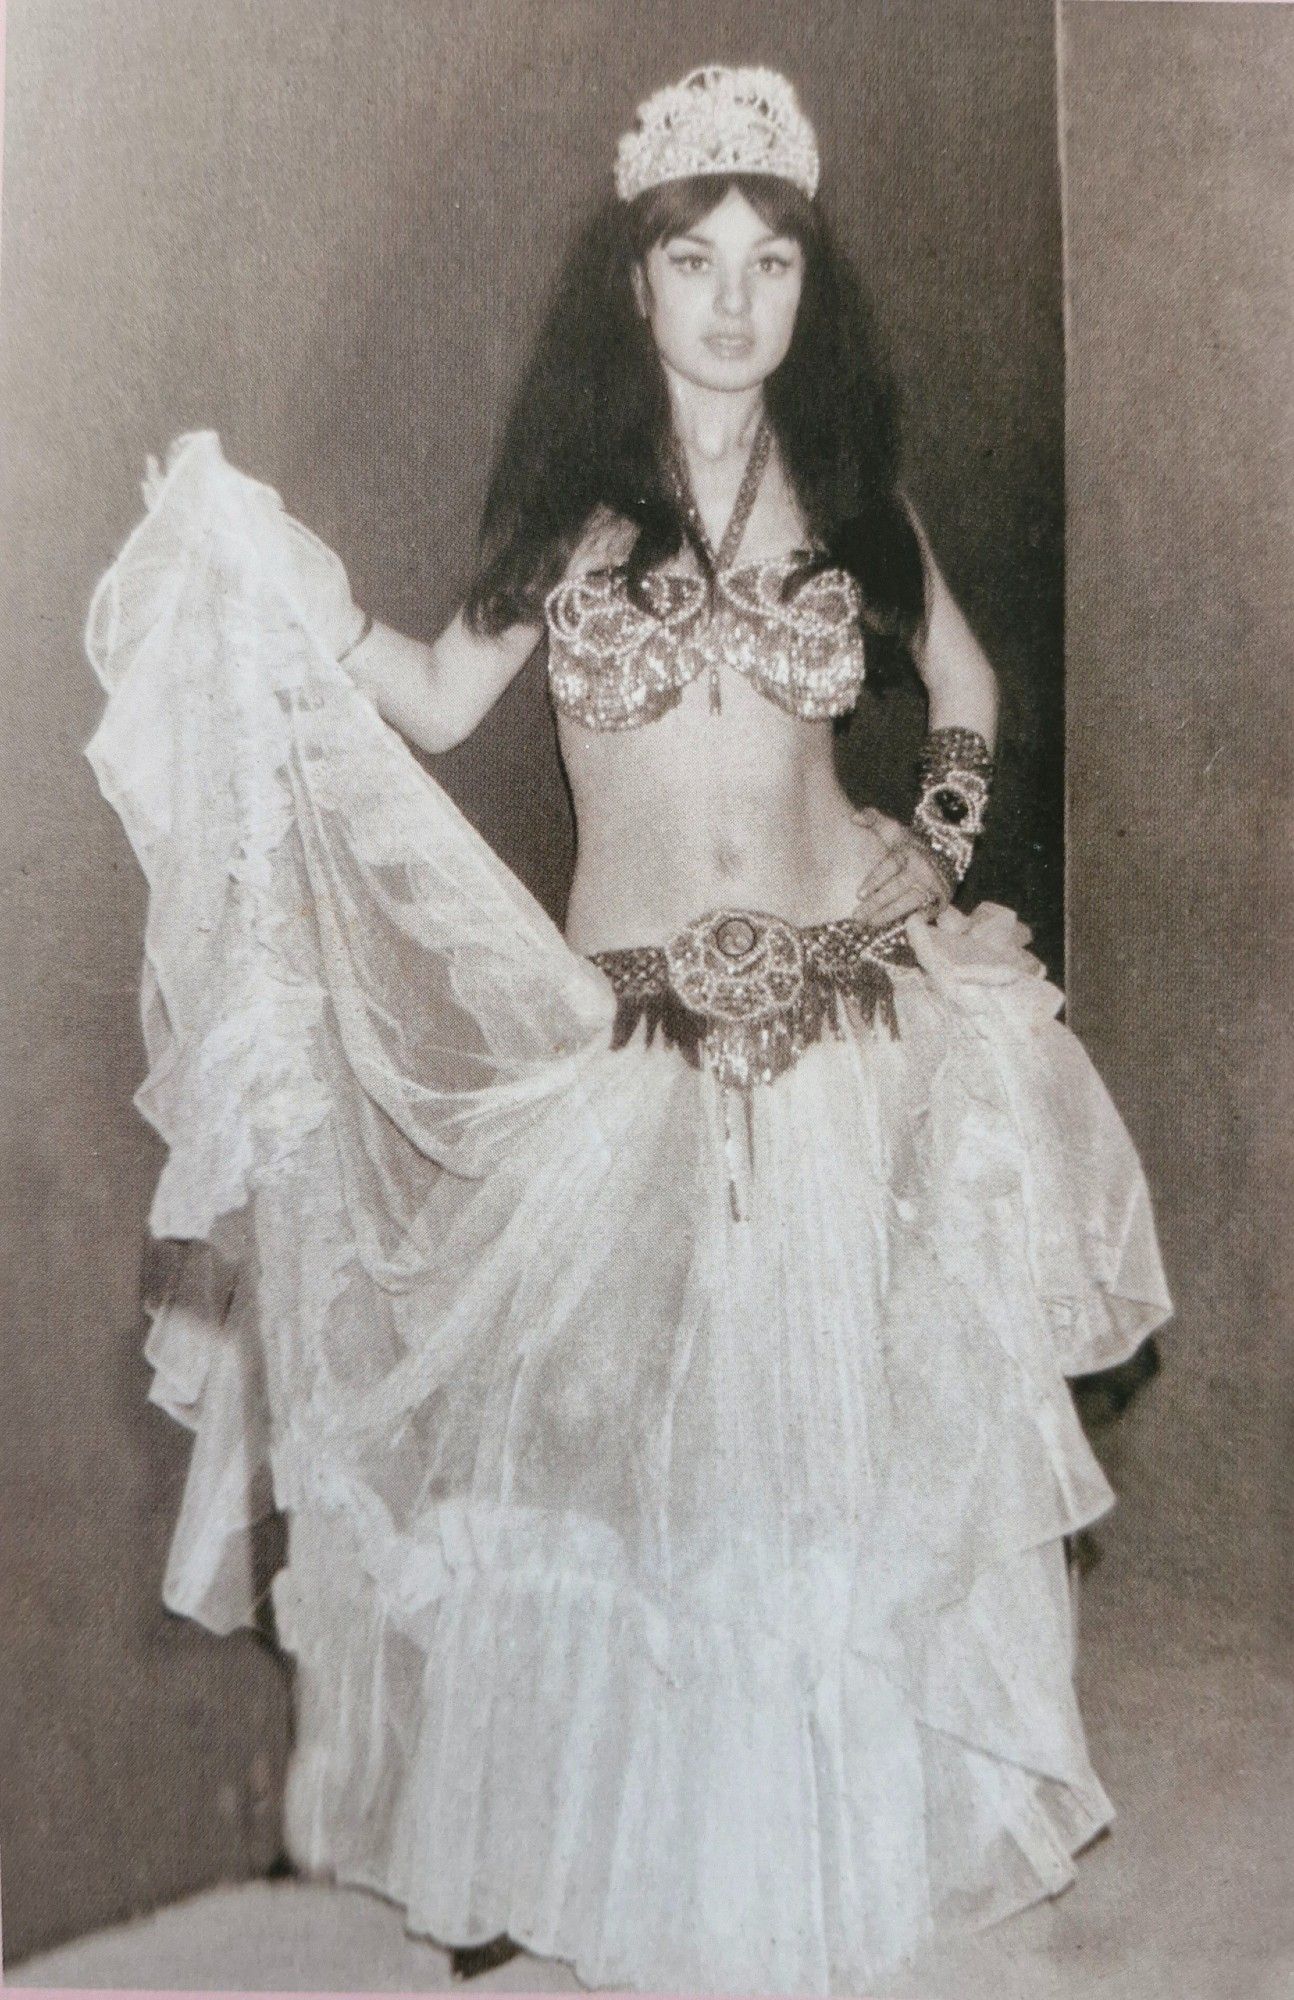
1178	126
324	230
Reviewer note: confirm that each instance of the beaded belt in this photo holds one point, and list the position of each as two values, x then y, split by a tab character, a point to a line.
743	993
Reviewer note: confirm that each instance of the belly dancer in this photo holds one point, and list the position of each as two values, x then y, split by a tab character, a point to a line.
655	1334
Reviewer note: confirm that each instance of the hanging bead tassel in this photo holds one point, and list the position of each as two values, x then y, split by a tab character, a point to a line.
739	1149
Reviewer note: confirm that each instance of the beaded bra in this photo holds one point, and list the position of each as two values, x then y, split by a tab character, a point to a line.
614	665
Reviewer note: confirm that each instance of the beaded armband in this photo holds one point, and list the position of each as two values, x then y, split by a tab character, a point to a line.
956	772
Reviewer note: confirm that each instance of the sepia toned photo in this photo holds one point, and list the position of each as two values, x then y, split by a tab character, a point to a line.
647	986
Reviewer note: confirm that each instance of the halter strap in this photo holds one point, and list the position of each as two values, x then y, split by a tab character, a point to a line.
722	557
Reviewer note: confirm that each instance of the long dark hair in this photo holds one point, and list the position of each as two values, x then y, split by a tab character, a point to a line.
590	423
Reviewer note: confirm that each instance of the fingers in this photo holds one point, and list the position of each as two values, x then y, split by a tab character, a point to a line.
894	908
901	881
882	874
926	873
888	831
912	889
885	863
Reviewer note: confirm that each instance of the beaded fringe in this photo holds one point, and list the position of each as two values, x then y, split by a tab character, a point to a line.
840	969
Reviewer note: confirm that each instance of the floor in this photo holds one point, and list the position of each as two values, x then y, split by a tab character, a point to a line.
1190	1897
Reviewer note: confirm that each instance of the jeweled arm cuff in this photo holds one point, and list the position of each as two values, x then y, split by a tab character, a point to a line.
956	773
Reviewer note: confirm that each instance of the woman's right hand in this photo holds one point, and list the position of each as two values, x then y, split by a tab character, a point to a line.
322	588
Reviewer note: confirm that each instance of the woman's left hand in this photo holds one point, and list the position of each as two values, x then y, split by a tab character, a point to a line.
901	877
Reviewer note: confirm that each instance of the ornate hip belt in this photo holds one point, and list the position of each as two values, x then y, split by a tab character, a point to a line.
743	993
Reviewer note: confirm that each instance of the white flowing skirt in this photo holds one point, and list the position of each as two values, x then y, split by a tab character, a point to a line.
675	1574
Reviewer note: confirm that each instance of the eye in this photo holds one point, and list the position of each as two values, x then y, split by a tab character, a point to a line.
775	261
687	260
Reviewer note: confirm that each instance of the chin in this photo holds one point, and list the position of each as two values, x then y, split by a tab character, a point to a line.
746	371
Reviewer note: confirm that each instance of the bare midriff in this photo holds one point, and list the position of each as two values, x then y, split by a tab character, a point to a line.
700	811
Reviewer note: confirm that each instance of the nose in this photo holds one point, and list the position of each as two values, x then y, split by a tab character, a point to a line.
733	298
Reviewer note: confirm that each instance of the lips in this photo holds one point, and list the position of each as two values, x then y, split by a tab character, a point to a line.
730	345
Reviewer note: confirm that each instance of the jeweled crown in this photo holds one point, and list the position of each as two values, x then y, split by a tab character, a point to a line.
718	121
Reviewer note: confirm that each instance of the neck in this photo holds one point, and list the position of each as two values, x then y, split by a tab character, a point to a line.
714	424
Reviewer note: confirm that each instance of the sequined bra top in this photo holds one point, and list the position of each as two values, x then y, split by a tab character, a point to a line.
612	665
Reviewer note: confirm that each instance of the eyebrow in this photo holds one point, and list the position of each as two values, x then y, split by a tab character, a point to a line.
697	236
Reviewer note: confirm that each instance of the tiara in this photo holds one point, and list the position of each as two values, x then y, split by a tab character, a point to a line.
718	121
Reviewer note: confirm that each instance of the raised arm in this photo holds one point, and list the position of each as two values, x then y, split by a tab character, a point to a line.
437	694
433	694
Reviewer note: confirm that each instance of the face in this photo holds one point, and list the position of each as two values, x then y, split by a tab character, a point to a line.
721	300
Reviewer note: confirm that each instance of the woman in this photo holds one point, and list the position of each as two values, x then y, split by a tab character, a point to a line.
656	1336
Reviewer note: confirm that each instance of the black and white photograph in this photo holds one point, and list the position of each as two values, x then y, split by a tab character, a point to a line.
647	986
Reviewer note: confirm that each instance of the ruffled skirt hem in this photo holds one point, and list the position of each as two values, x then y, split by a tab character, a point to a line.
702	1812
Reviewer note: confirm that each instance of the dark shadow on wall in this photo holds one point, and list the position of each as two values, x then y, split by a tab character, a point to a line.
1179	164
